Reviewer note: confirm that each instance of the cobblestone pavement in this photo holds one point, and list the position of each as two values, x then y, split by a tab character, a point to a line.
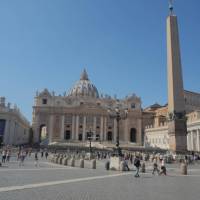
50	181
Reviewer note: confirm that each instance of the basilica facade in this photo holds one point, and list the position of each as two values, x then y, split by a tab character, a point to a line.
82	114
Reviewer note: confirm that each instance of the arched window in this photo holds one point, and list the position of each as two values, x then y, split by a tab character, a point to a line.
133	135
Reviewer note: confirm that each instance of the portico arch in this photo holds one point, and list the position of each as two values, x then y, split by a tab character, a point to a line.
43	133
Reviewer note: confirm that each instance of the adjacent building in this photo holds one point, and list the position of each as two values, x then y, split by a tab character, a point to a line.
156	129
14	127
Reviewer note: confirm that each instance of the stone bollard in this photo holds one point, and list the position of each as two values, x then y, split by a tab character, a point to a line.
107	165
183	169
60	160
72	162
57	159
122	166
65	161
81	163
143	170
54	159
49	158
94	164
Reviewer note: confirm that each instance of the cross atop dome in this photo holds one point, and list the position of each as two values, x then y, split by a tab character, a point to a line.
171	7
84	75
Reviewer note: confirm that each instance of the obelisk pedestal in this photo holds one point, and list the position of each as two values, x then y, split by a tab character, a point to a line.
177	135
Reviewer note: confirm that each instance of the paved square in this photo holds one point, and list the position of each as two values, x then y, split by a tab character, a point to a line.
56	182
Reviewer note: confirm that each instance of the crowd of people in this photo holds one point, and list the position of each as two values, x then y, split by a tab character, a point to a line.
6	153
158	161
21	154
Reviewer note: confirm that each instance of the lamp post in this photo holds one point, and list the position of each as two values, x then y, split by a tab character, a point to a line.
118	115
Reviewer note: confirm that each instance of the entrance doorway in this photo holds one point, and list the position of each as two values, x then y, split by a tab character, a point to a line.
80	137
67	135
133	135
109	136
43	133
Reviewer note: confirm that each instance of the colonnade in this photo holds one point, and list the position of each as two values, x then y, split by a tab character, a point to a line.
78	127
193	140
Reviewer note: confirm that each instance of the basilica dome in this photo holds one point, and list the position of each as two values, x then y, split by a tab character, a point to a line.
84	88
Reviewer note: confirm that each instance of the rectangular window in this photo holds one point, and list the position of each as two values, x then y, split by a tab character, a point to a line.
44	101
68	119
133	105
2	126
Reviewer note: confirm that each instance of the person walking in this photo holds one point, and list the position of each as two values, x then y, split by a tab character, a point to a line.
163	168
22	158
126	164
155	167
8	155
36	159
4	156
137	165
46	154
42	154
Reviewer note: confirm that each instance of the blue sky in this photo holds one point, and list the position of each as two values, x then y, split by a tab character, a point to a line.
121	43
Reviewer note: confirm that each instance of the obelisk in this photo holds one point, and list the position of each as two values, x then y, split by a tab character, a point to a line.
177	129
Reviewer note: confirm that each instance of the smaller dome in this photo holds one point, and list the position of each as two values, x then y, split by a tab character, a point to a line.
84	87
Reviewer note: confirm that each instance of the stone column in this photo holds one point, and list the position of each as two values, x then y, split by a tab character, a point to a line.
74	128
195	140
94	128
36	129
188	141
101	129
105	129
139	132
198	142
115	131
84	127
6	137
192	142
77	126
62	130
126	133
50	129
